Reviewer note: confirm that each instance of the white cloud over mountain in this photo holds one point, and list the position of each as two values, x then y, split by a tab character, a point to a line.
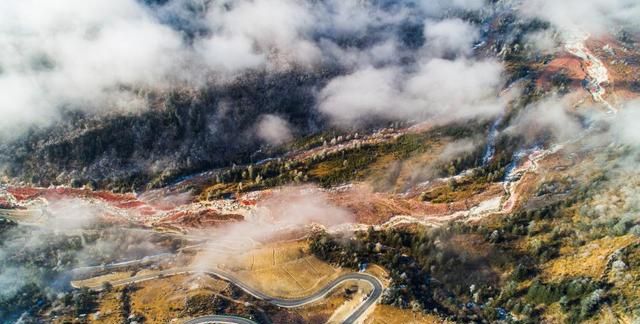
99	56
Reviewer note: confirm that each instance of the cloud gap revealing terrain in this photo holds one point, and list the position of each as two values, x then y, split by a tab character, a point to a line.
319	161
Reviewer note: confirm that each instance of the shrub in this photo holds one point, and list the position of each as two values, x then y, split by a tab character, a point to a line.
589	304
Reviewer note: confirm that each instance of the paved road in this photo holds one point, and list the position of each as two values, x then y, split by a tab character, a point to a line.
223	319
371	299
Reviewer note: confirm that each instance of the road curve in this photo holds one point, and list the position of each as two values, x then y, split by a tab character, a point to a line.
222	319
371	299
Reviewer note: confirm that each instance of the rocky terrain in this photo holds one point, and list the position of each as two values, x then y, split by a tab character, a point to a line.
476	159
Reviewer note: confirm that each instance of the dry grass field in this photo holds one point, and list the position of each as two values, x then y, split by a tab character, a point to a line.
284	269
322	311
385	314
589	260
163	300
97	281
160	301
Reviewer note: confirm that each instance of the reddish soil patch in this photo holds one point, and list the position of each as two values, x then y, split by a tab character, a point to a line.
245	202
623	65
24	193
5	204
377	208
128	202
566	64
109	196
27	193
137	210
198	219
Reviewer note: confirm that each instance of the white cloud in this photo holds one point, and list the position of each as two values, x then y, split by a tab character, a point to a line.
461	88
625	125
380	54
79	52
594	16
450	37
544	41
456	149
550	116
439	87
229	54
96	55
437	7
280	28
367	92
287	211
273	129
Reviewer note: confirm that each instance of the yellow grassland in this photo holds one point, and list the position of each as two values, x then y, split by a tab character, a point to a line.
589	260
385	314
97	281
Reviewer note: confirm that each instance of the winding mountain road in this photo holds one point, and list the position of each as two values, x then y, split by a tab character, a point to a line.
222	319
369	301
